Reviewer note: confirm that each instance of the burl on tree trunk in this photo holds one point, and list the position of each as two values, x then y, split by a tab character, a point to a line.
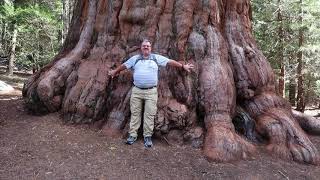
197	108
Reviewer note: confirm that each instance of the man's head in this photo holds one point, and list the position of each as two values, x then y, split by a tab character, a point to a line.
146	47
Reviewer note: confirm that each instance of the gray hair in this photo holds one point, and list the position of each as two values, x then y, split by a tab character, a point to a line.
146	40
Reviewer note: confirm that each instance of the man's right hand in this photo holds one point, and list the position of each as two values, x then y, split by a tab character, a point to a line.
116	71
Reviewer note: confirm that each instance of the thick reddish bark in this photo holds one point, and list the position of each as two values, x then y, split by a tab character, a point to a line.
197	108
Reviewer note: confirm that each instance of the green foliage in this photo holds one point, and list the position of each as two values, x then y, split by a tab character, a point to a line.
317	91
266	25
38	35
6	11
38	26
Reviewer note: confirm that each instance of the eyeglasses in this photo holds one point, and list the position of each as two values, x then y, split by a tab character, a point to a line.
146	46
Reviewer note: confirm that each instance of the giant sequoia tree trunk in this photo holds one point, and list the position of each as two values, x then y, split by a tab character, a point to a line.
230	71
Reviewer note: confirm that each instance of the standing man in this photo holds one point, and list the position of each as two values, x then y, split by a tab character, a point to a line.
145	81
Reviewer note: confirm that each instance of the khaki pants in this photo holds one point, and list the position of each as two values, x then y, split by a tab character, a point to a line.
150	98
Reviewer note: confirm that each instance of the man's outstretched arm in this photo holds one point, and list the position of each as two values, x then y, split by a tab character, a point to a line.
116	71
186	67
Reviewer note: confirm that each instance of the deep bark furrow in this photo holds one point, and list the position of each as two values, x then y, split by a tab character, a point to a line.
164	34
184	21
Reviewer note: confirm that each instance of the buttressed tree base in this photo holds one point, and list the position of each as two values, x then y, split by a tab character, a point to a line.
198	108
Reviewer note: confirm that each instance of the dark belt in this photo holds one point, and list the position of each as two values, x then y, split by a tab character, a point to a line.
144	88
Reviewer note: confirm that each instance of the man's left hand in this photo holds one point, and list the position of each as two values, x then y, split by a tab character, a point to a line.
188	67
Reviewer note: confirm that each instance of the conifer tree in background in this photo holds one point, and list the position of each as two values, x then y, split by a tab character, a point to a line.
288	34
67	10
36	33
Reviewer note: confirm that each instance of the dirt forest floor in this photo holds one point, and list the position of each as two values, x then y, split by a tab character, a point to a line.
43	147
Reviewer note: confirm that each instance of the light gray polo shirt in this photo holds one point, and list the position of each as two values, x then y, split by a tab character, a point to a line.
145	71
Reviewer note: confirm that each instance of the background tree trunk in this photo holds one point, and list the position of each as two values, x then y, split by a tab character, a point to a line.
300	93
308	87
64	16
292	91
12	50
281	51
3	36
67	9
197	108
292	85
